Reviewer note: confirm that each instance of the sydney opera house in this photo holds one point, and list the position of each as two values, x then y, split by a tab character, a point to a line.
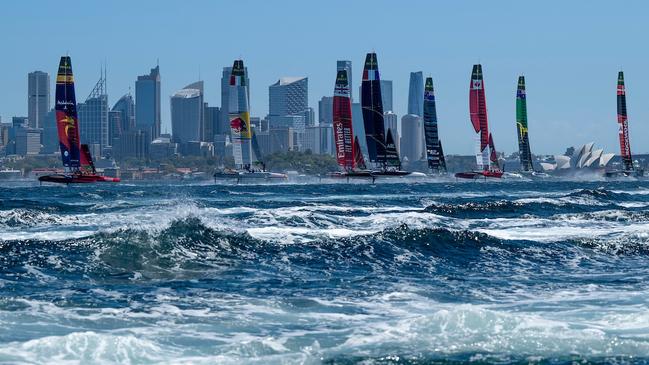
583	159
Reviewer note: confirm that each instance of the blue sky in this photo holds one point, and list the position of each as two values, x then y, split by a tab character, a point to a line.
569	51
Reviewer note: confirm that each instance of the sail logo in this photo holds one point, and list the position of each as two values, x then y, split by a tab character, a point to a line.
477	84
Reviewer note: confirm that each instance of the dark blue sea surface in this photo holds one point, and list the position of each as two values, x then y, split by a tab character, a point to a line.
392	273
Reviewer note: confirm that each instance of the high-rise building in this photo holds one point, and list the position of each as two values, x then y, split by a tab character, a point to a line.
147	103
412	127
319	139
416	94
289	96
38	98
386	94
347	66
224	126
187	114
50	138
93	117
326	110
212	116
125	106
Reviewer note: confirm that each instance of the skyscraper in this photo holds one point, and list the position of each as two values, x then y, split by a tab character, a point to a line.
93	117
147	103
412	127
212	117
187	114
347	66
224	125
288	98
325	110
38	98
386	95
416	94
125	106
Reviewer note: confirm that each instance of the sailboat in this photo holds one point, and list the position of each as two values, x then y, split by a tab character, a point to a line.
380	147
245	150
348	152
77	161
625	146
486	157
434	152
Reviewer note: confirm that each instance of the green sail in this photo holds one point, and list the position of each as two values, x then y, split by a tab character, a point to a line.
521	127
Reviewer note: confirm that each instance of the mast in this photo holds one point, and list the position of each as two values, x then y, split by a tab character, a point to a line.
342	122
622	119
372	107
478	113
239	115
67	121
524	151
431	132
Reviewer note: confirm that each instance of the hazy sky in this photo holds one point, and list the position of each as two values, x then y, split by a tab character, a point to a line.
569	51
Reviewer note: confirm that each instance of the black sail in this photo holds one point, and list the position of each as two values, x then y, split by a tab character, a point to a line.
373	110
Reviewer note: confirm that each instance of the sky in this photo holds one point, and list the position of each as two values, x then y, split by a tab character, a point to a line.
569	51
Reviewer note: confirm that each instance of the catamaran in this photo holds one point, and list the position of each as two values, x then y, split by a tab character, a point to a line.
434	152
625	146
77	161
245	150
381	148
348	152
486	157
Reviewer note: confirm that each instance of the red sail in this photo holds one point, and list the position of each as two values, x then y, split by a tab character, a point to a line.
342	122
622	119
493	157
359	160
478	106
87	165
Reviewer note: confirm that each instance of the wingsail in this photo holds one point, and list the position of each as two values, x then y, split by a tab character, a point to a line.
67	121
524	151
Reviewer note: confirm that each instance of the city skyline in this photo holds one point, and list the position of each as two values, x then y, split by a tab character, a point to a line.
570	68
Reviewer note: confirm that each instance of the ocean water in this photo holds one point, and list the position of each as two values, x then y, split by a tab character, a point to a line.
398	273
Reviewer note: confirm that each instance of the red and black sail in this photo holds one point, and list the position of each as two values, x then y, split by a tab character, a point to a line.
342	122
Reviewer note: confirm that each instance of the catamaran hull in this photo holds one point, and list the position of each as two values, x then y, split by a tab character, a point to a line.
77	179
244	175
479	175
396	173
351	175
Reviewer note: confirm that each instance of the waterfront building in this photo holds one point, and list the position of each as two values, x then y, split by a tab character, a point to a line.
93	117
187	108
412	147
288	97
147	103
416	94
38	98
319	140
325	110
